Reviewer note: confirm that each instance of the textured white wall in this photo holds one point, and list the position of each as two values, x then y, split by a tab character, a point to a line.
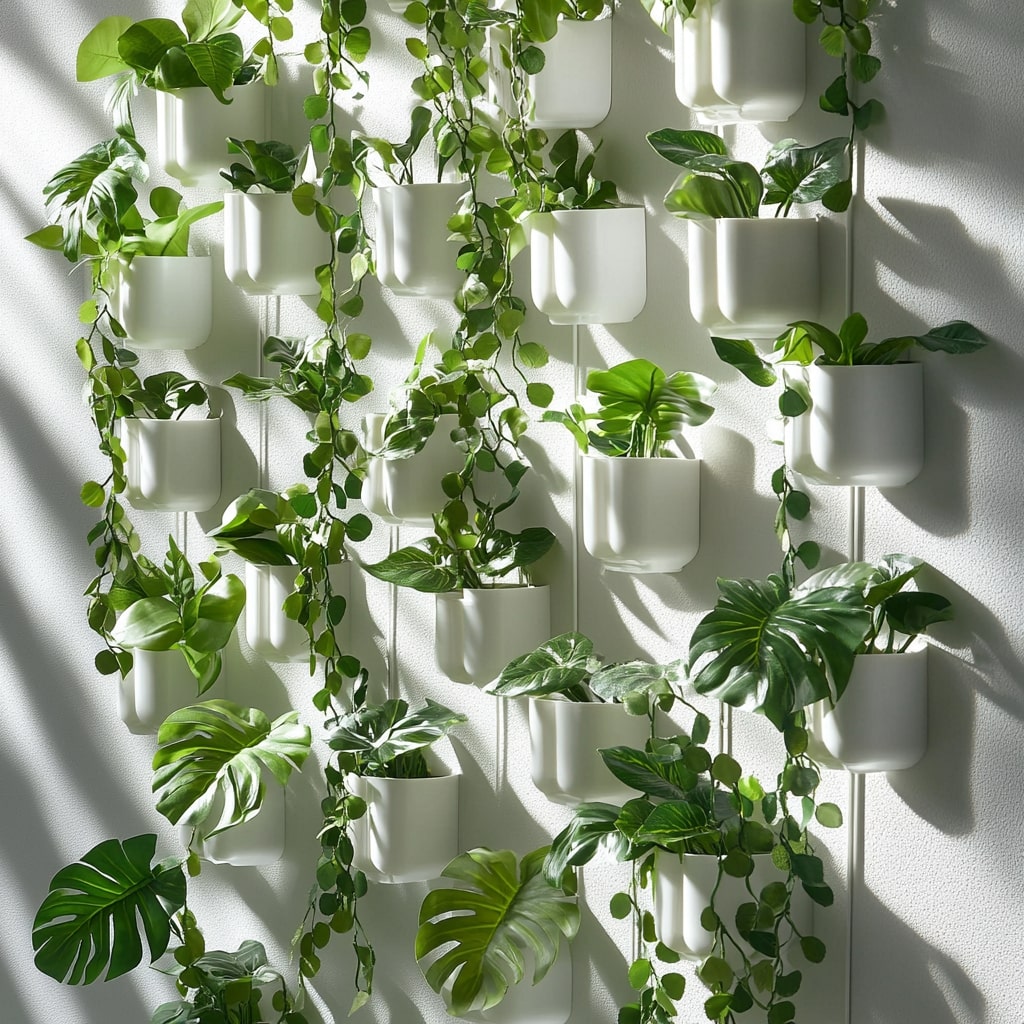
937	898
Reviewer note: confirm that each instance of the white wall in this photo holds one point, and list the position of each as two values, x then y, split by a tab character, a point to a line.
937	898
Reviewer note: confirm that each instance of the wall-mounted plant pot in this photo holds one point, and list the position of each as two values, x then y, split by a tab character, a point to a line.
414	254
683	888
269	247
159	684
880	724
565	738
193	126
574	88
751	277
268	631
737	61
478	632
589	266
641	515
173	465
374	492
411	827
256	842
165	302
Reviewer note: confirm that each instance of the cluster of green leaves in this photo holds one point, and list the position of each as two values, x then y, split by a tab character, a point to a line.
664	12
270	166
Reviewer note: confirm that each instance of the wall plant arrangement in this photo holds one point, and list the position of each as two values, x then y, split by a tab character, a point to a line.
449	455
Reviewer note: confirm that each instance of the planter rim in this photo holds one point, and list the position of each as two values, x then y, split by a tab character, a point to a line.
919	646
902	366
761	220
447	775
154	419
624	208
499	586
411	185
145	256
601	457
193	90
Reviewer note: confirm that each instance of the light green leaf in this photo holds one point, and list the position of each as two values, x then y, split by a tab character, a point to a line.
415	568
97	53
150	624
561	665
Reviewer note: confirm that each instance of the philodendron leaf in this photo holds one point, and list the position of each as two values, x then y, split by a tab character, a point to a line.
680	146
215	753
616	682
97	53
648	773
957	338
205	18
218	611
803	174
88	925
488	927
415	568
150	624
744	357
562	665
593	827
675	822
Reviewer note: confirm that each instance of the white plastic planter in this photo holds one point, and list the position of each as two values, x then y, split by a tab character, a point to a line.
740	61
411	827
683	888
641	515
269	247
165	302
268	631
256	842
751	277
173	465
159	684
414	254
374	493
589	266
565	738
193	127
880	724
478	632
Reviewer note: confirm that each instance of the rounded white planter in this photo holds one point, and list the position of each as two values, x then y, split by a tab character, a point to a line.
193	126
641	515
880	724
173	465
565	738
478	632
159	684
268	631
866	423
411	827
683	888
374	492
269	247
256	842
414	254
750	277
737	61
589	266
165	302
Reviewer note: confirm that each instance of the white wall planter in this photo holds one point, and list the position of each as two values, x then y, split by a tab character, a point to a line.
256	842
565	738
641	515
683	887
589	266
268	631
478	632
173	465
414	255
159	684
269	247
374	492
880	724
193	127
750	277
165	302
737	61
411	827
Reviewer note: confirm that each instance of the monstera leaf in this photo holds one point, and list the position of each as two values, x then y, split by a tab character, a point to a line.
768	650
88	925
212	756
486	928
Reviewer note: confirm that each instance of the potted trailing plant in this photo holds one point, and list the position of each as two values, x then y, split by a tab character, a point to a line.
411	827
578	704
864	401
750	275
641	507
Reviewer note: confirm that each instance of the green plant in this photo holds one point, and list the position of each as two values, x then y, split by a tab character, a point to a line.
641	409
272	166
472	939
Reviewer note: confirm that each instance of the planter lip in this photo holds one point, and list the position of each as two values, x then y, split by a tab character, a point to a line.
416	185
162	257
178	422
761	220
622	208
670	459
919	647
447	774
503	587
905	366
194	90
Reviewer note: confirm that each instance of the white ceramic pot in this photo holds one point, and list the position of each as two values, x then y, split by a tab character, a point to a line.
478	632
269	247
641	515
374	492
412	487
866	424
193	127
165	302
589	266
565	738
736	61
256	842
796	436
750	277
411	827
880	724
268	631
683	888
159	684
414	254
173	465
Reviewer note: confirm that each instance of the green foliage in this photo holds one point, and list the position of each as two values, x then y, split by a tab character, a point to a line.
270	165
